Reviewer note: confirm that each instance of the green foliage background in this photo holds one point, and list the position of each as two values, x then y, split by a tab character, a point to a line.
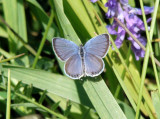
34	84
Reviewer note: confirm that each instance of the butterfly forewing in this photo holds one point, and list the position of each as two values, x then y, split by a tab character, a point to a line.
93	65
74	67
63	48
98	45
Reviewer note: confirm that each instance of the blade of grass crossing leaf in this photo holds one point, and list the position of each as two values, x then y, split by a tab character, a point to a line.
149	50
8	110
149	42
153	26
43	40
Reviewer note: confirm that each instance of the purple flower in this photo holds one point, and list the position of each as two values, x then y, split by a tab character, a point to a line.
112	8
127	15
138	51
94	1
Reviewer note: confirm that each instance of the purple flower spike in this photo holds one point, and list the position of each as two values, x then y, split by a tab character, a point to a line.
112	8
139	52
147	10
94	1
121	10
111	28
124	2
120	37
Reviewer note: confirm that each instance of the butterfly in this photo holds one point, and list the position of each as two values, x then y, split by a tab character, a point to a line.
82	60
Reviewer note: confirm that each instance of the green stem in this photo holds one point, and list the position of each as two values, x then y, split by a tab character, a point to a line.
149	50
5	60
43	40
105	9
8	110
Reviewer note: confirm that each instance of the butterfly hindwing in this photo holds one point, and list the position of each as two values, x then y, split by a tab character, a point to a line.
93	65
63	48
74	67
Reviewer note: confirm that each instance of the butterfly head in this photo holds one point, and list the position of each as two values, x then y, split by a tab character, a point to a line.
81	45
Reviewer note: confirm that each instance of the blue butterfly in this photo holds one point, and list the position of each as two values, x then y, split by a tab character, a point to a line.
82	60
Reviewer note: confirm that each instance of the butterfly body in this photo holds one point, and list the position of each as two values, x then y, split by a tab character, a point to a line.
82	60
81	51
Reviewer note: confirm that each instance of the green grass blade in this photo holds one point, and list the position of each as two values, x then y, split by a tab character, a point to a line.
148	50
8	110
14	57
43	40
41	99
103	100
156	101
